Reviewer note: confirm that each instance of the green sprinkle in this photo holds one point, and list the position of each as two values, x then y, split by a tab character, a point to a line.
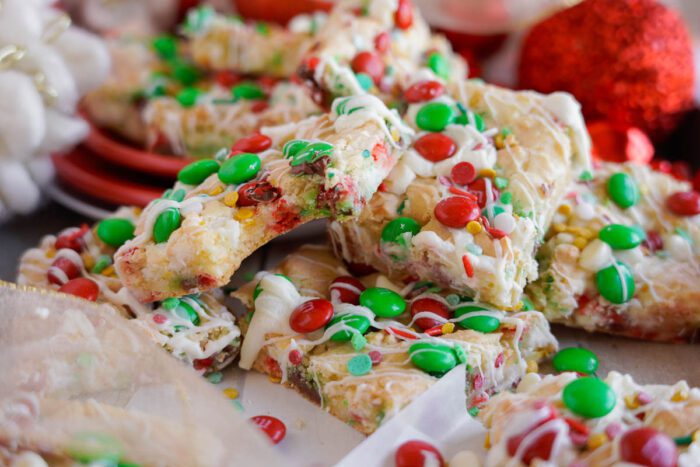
358	341
586	176
188	97
248	90
474	249
683	440
473	411
102	262
506	197
366	153
401	207
360	365
460	353
506	132
501	182
527	304
186	73
171	303
262	28
237	404
215	378
453	299
364	80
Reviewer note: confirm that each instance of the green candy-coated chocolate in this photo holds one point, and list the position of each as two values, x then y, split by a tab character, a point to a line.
589	397
186	73
432	358
189	312
88	447
383	302
439	65
250	91
170	303
115	231
360	365
188	97
358	322
240	168
167	222
621	237
196	172
481	323
175	195
576	359
434	116
473	118
623	190
311	153
395	229
293	147
165	47
616	283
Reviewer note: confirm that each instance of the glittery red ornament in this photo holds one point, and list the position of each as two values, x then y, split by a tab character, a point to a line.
626	61
619	143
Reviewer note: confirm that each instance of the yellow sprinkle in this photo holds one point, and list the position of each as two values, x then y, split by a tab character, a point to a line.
274	379
498	141
631	402
487	441
532	366
231	393
559	228
696	436
50	253
519	306
473	227
597	440
217	190
564	209
108	271
490	173
580	243
88	261
231	199
138	211
244	213
395	134
448	328
587	233
680	396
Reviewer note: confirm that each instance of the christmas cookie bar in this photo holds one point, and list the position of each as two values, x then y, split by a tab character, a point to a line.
472	198
623	256
377	46
579	421
198	329
224	209
365	348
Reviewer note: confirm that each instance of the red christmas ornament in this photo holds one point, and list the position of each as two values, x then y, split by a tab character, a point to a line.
618	143
627	61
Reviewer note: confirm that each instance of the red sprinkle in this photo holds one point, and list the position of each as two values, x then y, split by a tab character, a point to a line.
370	64
434	331
435	147
253	143
343	288
500	360
423	91
375	356
468	268
259	106
433	306
456	191
684	203
203	363
416	453
404	15
271	426
160	318
81	287
295	357
478	382
378	151
70	269
401	333
227	78
382	42
311	315
456	211
496	233
463	173
577	426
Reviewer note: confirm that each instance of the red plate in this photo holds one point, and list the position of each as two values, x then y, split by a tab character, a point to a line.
118	152
279	11
82	171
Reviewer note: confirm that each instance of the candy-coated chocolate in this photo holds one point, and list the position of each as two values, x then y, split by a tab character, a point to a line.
621	237
423	91
248	91
166	223
254	193
69	268
439	64
463	173
394	231
239	168
311	315
196	172
616	283
435	147
189	312
623	190
383	302
684	203
434	116
431	305
403	17
456	211
575	359
82	287
481	323
254	143
370	64
359	322
432	358
417	453
648	447
346	289
188	96
589	397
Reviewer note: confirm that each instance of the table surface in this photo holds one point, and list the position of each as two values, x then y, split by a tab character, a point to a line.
648	362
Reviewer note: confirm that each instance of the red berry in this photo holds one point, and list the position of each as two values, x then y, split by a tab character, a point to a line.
227	78
346	289
404	15
81	287
684	203
382	42
648	447
478	187
416	453
463	173
370	64
253	143
295	357
435	147
69	268
423	91
433	306
456	211
271	426
254	193
311	315
73	239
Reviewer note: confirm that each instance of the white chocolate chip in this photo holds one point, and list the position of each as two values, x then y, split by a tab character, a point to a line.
678	247
565	237
630	257
595	256
585	211
505	222
528	382
465	459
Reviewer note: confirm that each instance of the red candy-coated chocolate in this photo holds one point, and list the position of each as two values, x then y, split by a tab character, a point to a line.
70	269
433	306
72	240
423	91
227	78
271	426
359	269
539	448
648	447
369	63
382	42
347	289
478	187
404	14
311	315
295	357
253	193
253	143
416	453
81	287
463	173
684	203
456	211
435	147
